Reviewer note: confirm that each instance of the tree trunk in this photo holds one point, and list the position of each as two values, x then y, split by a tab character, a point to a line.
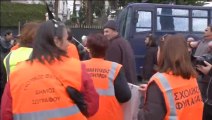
113	4
74	7
89	12
56	8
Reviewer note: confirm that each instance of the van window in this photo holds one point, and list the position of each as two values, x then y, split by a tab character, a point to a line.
144	22
199	13
199	24
172	19
199	20
172	12
211	17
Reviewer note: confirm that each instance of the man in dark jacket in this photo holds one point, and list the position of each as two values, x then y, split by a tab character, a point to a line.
5	46
120	51
207	70
205	81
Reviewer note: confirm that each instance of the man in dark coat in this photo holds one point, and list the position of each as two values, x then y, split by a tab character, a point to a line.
5	46
120	51
207	70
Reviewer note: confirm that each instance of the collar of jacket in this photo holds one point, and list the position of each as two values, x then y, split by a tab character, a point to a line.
115	37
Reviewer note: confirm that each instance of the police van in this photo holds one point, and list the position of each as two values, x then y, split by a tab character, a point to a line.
137	20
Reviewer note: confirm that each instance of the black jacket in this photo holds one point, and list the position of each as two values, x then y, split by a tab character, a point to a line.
5	47
208	99
150	60
155	107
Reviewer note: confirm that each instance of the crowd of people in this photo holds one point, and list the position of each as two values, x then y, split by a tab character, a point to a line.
46	77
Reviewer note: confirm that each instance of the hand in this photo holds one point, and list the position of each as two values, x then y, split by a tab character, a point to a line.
143	88
86	49
78	98
193	44
204	69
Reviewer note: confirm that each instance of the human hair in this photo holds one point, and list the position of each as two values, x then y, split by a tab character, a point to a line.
84	38
97	44
44	47
28	33
70	35
174	57
152	41
191	36
8	32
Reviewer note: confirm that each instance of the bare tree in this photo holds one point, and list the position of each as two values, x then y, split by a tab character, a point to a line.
56	3
89	11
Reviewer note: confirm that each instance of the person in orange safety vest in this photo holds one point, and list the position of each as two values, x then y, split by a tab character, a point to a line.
172	93
109	80
39	89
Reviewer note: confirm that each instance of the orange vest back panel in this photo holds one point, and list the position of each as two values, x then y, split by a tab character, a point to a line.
103	74
182	97
37	93
72	51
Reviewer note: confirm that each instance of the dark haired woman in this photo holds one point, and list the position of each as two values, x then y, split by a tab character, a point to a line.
173	92
37	88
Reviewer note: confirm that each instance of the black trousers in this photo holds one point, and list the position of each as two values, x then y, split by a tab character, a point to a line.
207	112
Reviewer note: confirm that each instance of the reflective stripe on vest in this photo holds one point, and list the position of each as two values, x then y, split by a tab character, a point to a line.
8	65
30	56
111	77
47	114
168	88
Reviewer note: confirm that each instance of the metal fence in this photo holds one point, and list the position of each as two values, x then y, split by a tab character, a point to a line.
78	31
86	26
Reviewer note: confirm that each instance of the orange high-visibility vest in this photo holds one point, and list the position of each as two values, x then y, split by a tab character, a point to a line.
38	94
103	74
182	97
72	51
